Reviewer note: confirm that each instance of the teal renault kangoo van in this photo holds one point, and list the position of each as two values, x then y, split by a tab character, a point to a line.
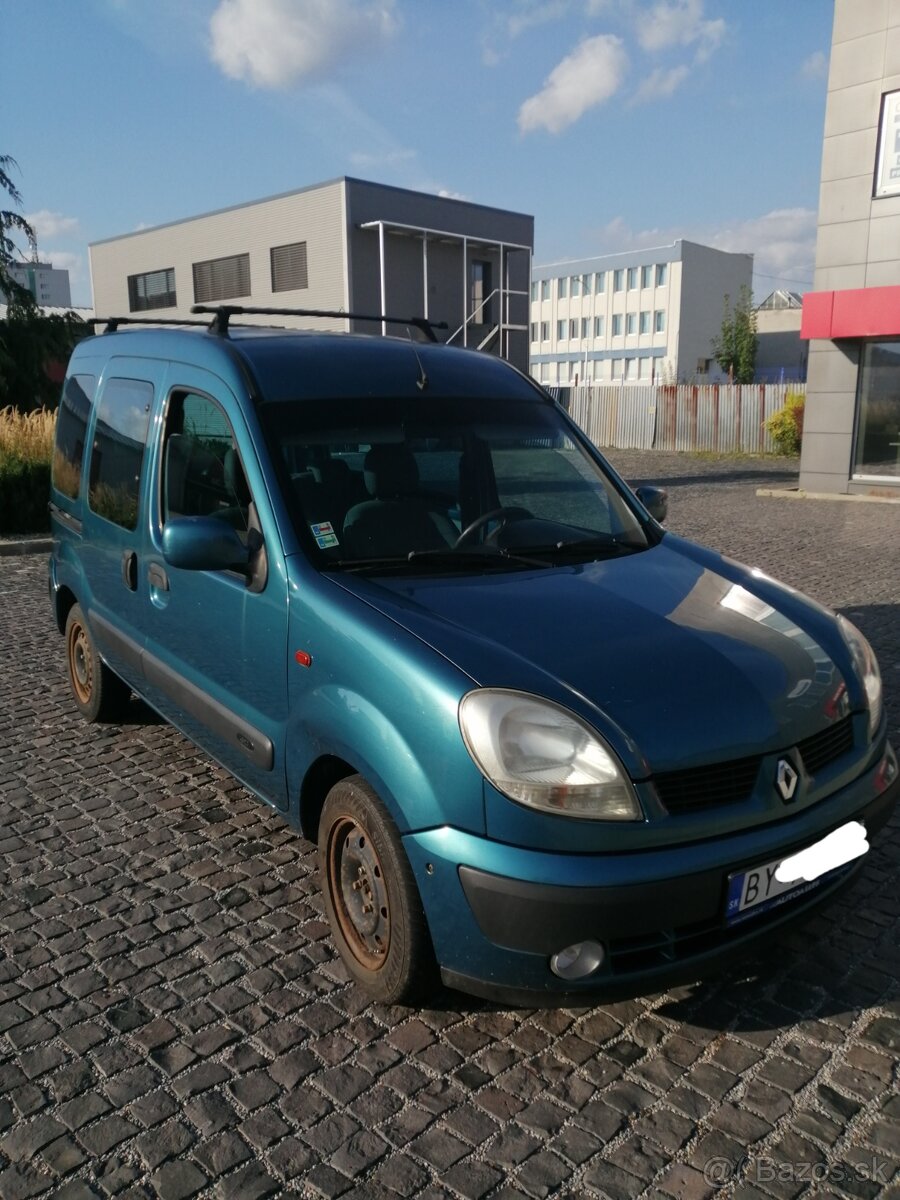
549	751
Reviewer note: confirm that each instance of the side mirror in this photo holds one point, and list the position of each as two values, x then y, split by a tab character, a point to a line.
655	500
203	544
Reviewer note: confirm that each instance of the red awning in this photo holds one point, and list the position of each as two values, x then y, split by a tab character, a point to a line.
852	313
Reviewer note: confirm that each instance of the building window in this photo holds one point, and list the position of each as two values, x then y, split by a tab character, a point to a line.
561	327
545	331
644	326
616	365
618	280
155	289
659	321
598	327
645	368
534	291
632	278
534	331
545	289
586	284
573	331
646	276
563	372
562	286
117	454
878	412
585	327
222	278
617	325
630	323
600	282
631	368
660	274
575	286
289	269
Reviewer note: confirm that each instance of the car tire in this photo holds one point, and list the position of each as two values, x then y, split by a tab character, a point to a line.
99	694
373	905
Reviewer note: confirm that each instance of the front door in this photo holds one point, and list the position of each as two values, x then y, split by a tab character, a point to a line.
216	652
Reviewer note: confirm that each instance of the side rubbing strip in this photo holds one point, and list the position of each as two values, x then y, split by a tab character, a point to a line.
215	716
116	642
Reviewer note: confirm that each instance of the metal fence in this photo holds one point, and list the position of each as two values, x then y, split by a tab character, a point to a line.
717	417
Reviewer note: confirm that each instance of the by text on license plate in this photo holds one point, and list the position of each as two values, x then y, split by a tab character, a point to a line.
766	886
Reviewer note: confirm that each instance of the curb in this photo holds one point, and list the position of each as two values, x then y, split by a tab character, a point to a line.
26	546
800	494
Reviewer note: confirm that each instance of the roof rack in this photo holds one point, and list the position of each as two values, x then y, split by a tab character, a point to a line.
223	313
113	323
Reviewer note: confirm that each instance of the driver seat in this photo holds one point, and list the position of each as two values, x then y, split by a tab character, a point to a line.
397	518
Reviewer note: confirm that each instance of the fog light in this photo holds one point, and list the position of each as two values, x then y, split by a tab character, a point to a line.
578	961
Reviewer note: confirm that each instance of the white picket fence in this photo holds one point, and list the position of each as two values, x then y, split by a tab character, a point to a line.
717	417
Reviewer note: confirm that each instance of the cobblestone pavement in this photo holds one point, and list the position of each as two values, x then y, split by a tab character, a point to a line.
174	1023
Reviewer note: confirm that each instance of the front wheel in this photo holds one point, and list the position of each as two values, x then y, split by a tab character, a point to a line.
99	694
371	898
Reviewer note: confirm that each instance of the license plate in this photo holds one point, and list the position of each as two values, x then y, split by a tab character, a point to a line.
771	884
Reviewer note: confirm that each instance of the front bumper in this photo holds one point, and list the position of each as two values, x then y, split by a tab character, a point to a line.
497	912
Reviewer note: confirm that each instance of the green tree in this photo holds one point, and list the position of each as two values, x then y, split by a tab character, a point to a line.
30	340
734	349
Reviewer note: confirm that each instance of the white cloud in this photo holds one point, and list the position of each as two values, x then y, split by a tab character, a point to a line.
782	242
679	23
589	76
814	67
660	83
48	224
279	43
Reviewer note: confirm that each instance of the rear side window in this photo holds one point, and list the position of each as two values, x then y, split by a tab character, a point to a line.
71	425
117	454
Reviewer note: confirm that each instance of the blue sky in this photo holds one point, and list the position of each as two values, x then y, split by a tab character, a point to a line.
616	123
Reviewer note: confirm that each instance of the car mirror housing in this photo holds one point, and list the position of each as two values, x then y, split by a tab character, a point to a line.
203	544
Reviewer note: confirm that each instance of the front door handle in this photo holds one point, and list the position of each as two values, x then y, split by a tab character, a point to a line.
158	577
130	570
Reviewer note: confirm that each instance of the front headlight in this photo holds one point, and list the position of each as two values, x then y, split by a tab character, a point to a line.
542	755
866	668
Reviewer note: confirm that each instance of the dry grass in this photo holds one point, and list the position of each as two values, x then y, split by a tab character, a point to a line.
27	436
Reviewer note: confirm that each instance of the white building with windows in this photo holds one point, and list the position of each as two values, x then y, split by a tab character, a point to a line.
646	316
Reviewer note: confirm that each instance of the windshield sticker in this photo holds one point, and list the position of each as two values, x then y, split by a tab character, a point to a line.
323	532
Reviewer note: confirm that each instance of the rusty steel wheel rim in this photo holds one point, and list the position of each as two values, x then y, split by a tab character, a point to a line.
359	892
81	663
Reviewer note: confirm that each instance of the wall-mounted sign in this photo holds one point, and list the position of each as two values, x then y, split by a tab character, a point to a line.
887	173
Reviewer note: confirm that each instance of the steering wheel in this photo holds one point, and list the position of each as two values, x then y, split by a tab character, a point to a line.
503	514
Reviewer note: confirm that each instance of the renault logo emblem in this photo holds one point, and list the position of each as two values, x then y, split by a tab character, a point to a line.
786	780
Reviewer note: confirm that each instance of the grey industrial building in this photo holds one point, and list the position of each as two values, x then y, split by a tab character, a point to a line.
346	245
851	439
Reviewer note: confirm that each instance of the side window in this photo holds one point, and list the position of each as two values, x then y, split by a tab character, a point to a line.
117	454
202	473
71	426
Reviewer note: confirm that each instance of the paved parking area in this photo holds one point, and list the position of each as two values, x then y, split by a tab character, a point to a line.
174	1023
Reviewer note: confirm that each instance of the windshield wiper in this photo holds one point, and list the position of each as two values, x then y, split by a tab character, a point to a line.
459	559
486	556
603	544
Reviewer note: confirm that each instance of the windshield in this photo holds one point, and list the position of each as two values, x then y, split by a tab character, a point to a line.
435	483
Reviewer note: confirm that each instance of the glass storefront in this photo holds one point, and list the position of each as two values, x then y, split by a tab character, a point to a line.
878	411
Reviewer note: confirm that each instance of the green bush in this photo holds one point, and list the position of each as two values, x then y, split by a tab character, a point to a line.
786	425
24	494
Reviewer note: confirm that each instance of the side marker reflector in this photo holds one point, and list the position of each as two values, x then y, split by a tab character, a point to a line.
303	658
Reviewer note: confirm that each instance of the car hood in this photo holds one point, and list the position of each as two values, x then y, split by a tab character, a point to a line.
677	655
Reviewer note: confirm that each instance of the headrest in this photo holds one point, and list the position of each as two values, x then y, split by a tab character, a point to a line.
390	470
